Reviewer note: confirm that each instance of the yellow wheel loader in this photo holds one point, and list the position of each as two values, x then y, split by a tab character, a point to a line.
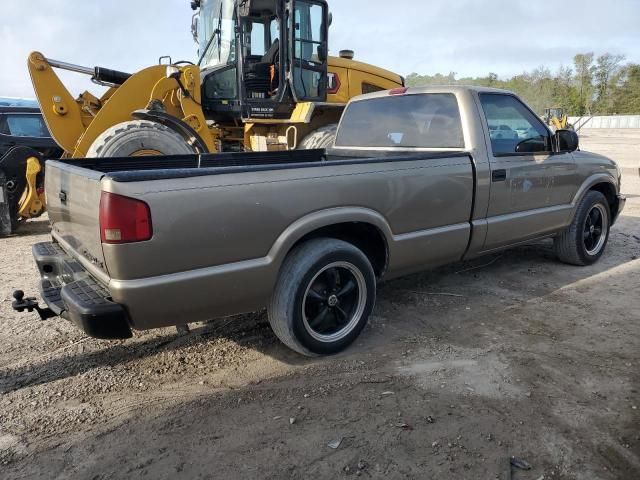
557	119
264	82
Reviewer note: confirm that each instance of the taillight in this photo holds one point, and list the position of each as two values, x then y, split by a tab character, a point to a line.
124	219
398	91
334	84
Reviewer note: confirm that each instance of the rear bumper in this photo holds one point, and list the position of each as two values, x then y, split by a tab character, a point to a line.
73	294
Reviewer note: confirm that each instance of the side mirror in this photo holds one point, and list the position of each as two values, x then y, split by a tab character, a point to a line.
566	141
330	19
194	26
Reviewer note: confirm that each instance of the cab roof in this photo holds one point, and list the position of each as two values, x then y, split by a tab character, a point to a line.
434	89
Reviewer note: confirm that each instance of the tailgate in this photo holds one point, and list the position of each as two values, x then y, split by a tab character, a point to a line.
73	202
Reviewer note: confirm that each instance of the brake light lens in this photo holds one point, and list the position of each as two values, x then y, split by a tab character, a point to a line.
124	219
334	84
398	91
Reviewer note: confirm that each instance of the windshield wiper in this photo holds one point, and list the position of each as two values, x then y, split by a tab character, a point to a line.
219	30
216	34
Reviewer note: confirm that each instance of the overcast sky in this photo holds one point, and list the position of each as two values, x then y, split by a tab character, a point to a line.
470	37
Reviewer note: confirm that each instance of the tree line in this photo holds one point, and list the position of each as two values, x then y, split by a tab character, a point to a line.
594	85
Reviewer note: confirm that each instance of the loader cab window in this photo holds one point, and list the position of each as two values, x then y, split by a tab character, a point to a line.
261	54
310	50
258	46
217	37
216	31
274	29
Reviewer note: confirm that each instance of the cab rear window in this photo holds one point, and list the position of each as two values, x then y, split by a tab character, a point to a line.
430	120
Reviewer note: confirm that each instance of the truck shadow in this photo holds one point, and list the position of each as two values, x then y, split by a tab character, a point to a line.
428	303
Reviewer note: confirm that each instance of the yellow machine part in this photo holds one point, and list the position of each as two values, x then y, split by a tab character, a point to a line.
76	124
356	77
32	203
60	110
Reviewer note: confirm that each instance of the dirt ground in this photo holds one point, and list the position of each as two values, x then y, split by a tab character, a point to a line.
460	369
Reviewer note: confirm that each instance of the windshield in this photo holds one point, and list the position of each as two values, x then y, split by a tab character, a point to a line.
216	32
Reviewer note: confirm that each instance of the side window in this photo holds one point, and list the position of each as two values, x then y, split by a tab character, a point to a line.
309	67
308	25
221	85
24	125
512	126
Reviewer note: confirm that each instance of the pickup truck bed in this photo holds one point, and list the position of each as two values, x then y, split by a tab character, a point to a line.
135	169
204	236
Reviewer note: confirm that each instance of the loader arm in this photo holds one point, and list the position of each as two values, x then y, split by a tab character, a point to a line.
62	114
75	124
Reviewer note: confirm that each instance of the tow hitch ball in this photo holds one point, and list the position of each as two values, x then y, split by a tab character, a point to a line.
30	304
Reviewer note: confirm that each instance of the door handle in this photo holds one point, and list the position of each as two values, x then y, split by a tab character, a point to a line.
62	196
499	175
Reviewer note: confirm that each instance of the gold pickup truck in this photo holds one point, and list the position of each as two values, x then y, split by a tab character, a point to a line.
417	178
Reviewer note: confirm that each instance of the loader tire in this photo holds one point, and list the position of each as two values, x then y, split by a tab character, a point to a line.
321	138
138	138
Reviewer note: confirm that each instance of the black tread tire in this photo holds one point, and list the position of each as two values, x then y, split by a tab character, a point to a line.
320	138
569	245
124	139
298	269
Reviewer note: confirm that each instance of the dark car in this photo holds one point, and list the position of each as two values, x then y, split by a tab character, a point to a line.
23	134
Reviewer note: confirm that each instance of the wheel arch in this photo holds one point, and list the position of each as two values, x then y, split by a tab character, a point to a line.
190	136
609	191
363	228
602	183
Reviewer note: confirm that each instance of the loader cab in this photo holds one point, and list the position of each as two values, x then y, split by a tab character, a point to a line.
555	112
259	58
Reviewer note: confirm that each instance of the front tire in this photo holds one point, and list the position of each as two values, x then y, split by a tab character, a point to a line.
585	241
325	294
138	138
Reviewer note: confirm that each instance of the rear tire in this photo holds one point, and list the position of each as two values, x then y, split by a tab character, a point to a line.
325	293
585	241
321	138
138	138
